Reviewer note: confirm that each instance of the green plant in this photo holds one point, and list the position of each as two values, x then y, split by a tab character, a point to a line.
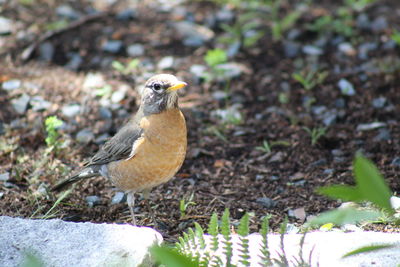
215	57
265	147
125	69
310	79
281	25
315	133
396	37
51	125
370	187
184	204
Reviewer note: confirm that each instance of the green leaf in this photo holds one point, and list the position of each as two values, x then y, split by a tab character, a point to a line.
31	260
243	228
225	224
344	216
215	57
213	225
344	192
371	184
171	258
368	249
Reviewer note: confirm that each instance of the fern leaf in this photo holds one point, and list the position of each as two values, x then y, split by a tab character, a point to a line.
265	254
226	233
213	231
243	228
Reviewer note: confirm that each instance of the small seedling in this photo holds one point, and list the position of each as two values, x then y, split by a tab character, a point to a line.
52	123
265	147
125	69
215	57
184	204
396	37
315	133
280	26
310	79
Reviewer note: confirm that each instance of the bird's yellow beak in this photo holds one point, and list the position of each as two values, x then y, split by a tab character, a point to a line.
176	86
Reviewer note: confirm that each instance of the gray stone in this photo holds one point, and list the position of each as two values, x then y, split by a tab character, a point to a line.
105	113
166	63
220	95
346	48
39	104
231	70
337	152
370	126
379	24
340	103
346	87
198	70
379	102
135	50
71	110
112	46
11	85
119	197
363	21
396	162
291	49
20	104
85	136
57	243
118	96
312	50
46	51
93	80
5	25
126	14
75	61
395	202
66	11
365	48
233	49
4	176
193	34
383	135
266	202
224	15
92	201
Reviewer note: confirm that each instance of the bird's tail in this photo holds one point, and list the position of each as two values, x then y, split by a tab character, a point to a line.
82	175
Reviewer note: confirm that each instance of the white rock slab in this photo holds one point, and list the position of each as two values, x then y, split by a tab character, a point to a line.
59	243
327	249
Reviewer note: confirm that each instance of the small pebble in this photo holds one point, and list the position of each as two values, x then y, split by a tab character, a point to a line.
220	95
126	14
74	62
39	104
92	201
67	12
1	194
85	136
291	49
166	63
383	135
46	51
4	176
370	126
379	24
396	162
112	46
20	104
119	197
346	87
312	50
266	202
105	113
11	85
71	110
379	102
395	202
135	50
230	70
337	152
5	26
259	177
347	49
351	228
193	34
118	96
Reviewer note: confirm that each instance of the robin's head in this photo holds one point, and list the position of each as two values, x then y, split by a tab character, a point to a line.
160	93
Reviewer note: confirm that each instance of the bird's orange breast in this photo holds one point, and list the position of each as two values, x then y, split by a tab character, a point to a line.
158	154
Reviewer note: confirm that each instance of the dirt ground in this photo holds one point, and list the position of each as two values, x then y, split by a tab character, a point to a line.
224	167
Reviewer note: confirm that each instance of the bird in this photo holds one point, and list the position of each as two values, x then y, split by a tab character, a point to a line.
148	150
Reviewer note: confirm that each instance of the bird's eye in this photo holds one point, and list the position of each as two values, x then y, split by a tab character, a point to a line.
157	86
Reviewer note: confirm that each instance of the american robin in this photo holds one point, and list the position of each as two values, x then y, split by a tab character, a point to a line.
149	149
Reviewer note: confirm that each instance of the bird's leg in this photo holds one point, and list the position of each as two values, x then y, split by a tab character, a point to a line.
146	194
131	204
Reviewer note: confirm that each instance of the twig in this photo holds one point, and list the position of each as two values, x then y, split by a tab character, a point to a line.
27	53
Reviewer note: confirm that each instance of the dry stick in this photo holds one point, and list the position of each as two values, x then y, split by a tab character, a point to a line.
27	53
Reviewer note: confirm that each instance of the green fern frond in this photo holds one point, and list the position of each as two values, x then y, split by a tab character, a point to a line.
226	233
213	231
265	255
